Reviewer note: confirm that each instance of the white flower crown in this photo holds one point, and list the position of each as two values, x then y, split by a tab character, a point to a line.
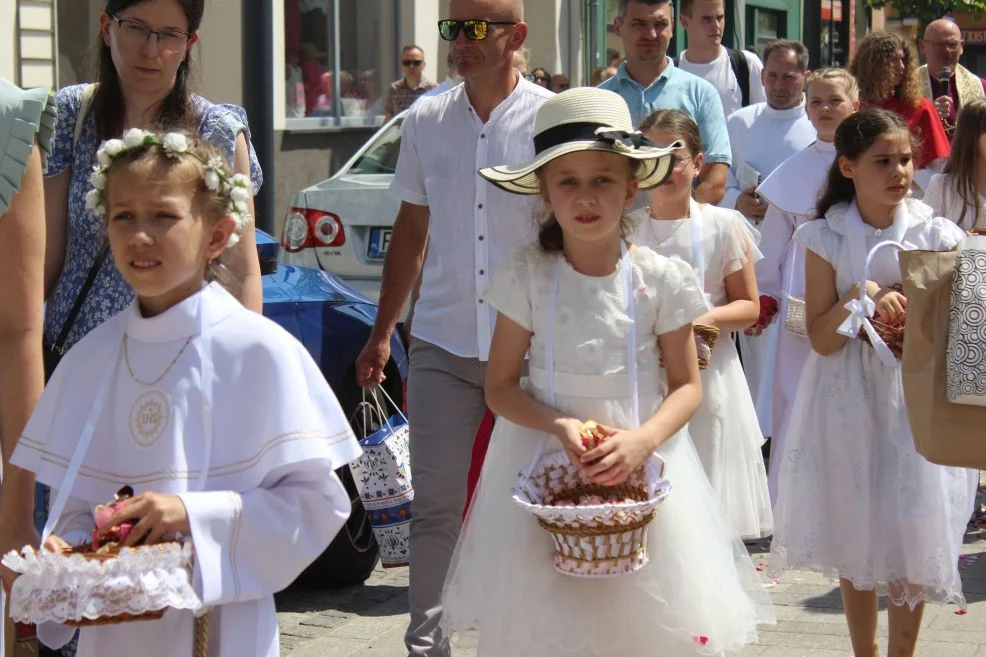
236	188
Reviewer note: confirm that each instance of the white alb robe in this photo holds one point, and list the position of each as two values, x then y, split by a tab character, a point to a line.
271	502
792	191
762	137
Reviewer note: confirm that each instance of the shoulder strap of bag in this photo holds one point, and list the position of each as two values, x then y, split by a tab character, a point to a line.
80	122
59	344
741	69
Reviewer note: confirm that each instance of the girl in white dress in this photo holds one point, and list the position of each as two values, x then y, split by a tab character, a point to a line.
856	500
217	417
792	192
719	245
959	192
571	302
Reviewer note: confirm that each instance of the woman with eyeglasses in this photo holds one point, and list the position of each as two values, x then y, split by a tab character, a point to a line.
142	81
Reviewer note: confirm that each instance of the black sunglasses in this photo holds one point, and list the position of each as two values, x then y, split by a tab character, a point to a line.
476	29
412	62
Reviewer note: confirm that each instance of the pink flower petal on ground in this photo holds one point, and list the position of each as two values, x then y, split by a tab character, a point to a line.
701	640
960	612
761	567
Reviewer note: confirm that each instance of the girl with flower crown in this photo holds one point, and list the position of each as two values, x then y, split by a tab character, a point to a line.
184	396
596	315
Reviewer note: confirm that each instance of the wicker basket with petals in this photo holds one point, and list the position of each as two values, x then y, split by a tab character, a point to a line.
598	540
703	334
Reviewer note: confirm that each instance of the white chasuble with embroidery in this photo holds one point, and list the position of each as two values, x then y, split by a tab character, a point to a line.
269	441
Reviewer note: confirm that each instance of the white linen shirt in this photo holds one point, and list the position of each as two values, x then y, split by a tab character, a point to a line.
473	226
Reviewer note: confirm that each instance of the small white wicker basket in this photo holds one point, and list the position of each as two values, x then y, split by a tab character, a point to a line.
604	540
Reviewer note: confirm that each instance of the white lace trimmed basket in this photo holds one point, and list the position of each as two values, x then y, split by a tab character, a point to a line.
604	540
84	590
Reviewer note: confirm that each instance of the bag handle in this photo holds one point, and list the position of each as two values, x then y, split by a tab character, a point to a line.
861	309
59	344
384	415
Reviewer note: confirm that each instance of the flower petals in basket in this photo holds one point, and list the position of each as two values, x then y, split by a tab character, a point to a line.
83	587
892	334
593	540
705	340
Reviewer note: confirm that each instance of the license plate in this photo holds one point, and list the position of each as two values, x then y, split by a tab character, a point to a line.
379	241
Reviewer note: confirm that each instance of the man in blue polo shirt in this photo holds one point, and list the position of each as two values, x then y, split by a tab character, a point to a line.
648	80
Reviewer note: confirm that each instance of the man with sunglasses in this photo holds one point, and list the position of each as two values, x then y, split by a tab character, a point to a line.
470	228
412	86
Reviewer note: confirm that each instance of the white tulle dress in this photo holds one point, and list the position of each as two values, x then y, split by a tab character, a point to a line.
856	499
700	593
725	429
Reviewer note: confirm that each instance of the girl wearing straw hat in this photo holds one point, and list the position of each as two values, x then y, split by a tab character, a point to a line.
596	316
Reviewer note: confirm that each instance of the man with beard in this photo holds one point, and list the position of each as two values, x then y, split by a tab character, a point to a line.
762	137
648	80
943	80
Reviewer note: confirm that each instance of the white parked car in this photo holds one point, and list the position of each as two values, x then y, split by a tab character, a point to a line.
344	224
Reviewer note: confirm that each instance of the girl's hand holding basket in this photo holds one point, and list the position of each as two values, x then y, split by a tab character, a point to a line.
612	461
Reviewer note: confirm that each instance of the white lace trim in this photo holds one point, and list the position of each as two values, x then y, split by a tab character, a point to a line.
61	588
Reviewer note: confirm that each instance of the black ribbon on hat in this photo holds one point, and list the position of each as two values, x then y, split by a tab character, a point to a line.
587	131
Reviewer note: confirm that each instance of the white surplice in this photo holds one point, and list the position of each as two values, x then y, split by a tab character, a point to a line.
792	191
762	137
271	501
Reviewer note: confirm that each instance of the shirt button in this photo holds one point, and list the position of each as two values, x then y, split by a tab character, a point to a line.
482	271
480	206
482	136
877	232
482	237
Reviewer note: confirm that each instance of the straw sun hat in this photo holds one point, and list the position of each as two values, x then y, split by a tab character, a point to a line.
585	119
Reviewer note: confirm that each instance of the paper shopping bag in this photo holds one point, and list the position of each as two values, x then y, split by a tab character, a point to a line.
383	478
944	433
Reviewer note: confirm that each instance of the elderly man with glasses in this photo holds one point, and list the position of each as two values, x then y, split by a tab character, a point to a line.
469	228
943	80
412	86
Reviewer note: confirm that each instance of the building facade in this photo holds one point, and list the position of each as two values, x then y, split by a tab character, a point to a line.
331	61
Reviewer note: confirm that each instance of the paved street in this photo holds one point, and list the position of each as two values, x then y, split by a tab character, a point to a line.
369	621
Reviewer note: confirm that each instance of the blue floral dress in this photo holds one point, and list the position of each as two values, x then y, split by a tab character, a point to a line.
110	294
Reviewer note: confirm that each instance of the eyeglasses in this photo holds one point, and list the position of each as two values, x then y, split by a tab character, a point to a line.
411	62
135	33
945	45
476	29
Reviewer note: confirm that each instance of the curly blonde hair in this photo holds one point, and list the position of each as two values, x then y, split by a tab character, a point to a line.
872	67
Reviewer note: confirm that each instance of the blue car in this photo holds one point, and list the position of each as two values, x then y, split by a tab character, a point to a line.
333	322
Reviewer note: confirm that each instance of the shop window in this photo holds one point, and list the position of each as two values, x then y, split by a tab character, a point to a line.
764	26
340	56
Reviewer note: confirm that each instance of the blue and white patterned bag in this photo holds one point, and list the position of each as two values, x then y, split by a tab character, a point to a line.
383	477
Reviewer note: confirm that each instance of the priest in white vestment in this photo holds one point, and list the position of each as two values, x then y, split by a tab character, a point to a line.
762	136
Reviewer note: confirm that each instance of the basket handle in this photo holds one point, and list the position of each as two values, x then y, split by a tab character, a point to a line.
861	309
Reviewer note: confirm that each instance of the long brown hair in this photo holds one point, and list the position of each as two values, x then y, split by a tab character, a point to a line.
854	136
963	163
872	67
176	111
677	124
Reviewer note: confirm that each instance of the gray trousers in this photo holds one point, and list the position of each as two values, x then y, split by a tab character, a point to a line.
445	405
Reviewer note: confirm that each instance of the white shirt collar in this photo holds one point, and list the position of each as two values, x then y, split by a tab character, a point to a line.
790	114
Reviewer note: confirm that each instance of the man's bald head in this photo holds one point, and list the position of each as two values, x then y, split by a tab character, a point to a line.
510	10
941	29
941	45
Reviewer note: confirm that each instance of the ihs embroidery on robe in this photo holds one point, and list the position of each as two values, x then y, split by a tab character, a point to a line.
149	417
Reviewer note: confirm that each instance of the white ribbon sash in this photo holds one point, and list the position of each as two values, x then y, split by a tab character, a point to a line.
549	346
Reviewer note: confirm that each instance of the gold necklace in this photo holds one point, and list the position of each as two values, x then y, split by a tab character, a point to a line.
126	358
